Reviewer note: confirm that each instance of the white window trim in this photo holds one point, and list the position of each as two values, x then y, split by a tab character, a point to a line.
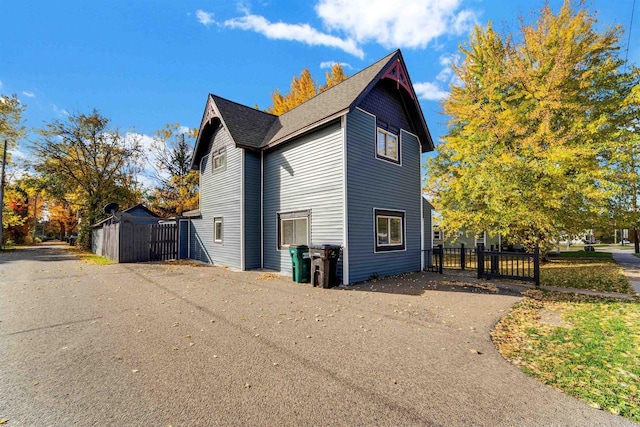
384	157
219	154
304	214
216	238
483	240
375	140
389	218
403	217
439	235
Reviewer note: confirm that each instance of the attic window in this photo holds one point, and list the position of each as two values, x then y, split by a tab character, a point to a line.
219	159
387	146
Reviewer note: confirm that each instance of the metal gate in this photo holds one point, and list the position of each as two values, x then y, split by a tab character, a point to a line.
488	264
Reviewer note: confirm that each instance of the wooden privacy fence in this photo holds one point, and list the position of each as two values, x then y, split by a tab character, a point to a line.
164	242
488	264
127	242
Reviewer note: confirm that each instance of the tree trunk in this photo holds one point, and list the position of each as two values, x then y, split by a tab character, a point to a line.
635	237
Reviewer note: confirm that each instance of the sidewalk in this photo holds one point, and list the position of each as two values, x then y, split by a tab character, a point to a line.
630	265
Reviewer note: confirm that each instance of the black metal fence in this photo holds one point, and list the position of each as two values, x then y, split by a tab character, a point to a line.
509	265
488	264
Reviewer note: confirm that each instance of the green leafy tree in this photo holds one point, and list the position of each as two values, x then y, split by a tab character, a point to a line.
90	162
530	120
11	127
624	160
11	130
178	189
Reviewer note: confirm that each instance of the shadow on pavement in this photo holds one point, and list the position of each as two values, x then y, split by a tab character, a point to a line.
45	252
421	282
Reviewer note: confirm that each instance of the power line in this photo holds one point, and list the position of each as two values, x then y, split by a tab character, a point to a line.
626	55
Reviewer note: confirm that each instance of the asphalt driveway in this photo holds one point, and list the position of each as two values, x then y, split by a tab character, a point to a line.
159	344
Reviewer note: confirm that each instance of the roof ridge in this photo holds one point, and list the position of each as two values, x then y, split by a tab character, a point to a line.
241	105
385	59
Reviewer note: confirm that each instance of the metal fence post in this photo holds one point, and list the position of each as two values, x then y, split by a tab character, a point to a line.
462	256
480	251
441	258
536	266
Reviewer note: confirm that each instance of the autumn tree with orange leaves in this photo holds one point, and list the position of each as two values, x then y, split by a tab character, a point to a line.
303	88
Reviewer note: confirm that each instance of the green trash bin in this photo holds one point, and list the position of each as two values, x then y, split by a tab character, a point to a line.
300	263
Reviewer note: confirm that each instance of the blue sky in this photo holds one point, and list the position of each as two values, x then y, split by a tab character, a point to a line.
147	63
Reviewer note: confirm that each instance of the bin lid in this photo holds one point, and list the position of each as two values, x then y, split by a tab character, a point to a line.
323	246
298	247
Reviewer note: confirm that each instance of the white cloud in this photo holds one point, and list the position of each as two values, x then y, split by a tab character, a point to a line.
329	64
303	33
430	91
60	111
205	18
29	94
399	23
447	62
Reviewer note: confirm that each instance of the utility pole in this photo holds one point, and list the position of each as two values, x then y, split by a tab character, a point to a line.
4	162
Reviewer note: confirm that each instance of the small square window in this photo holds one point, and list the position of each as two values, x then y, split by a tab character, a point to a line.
293	229
389	230
437	235
387	146
218	229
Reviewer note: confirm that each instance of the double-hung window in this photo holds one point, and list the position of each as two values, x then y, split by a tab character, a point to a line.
437	235
293	228
390	226
218	229
219	159
387	146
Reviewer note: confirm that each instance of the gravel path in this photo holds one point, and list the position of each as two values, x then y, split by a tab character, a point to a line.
152	344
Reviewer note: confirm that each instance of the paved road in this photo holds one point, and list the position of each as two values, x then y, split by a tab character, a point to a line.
156	345
630	265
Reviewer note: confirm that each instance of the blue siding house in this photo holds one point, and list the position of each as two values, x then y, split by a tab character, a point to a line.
342	168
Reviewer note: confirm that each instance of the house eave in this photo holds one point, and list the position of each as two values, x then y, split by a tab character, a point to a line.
305	129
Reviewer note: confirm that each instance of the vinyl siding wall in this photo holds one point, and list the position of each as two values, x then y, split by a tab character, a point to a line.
304	174
374	183
252	200
220	196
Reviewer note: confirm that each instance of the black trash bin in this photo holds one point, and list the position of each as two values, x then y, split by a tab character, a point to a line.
324	265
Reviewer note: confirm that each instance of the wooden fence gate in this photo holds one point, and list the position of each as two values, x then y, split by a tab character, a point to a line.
127	242
163	243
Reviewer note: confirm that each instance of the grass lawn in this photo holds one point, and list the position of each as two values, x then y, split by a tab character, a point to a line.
584	270
88	256
585	346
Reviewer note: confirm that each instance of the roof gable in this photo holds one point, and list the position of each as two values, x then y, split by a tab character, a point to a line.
254	129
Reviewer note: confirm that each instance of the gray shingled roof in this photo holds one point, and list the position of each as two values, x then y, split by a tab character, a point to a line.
251	128
326	105
246	125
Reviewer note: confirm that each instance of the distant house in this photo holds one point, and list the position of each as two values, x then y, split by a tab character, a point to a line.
343	168
467	238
